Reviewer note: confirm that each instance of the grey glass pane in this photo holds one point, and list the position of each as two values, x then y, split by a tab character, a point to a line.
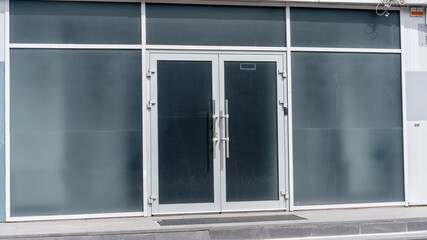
347	128
76	133
251	170
344	28
215	25
75	22
185	132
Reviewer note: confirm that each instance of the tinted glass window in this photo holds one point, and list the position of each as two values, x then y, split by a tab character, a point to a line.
347	128
75	131
344	28
75	22
215	25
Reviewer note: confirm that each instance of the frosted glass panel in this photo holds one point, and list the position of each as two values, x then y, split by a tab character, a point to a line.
344	28
347	128
75	22
250	88
185	132
75	131
215	25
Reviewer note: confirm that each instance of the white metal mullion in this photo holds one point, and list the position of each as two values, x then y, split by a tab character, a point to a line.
75	46
282	128
339	6
7	111
404	120
75	216
223	2
215	48
145	166
289	100
350	205
344	50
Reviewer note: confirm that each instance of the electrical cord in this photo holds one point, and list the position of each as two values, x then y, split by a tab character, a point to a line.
387	5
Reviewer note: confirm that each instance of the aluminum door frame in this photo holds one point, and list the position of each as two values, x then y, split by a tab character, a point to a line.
153	116
282	202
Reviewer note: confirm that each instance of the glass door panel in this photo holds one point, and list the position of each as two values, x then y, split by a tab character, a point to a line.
185	138
184	165
253	130
250	90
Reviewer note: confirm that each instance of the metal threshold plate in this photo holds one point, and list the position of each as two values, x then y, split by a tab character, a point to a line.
216	220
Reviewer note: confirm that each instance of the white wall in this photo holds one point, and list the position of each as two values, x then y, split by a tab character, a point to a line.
415	67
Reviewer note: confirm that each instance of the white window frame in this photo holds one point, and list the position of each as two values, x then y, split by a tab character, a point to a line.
179	48
10	46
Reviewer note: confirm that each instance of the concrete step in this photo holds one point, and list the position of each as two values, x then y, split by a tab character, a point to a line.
365	223
384	229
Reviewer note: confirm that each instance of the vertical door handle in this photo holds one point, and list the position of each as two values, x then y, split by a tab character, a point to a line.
215	133
227	138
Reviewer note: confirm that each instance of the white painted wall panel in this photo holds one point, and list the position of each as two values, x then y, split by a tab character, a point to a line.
415	55
417	168
415	62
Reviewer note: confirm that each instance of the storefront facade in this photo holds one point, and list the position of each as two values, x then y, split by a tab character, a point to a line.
147	108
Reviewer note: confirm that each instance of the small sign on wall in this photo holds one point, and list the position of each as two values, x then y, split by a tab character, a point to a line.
417	11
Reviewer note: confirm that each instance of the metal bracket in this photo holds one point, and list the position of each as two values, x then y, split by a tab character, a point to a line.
284	194
150	73
283	73
152	199
150	104
284	105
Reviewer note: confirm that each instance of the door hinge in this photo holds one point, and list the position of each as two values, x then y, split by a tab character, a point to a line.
283	73
150	72
150	104
152	199
284	194
284	105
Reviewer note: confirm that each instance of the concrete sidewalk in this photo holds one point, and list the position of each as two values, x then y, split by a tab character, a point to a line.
367	223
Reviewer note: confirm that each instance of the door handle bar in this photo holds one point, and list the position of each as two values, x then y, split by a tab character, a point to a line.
227	137
215	133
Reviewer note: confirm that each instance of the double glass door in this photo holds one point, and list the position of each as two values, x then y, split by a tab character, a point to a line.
217	132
